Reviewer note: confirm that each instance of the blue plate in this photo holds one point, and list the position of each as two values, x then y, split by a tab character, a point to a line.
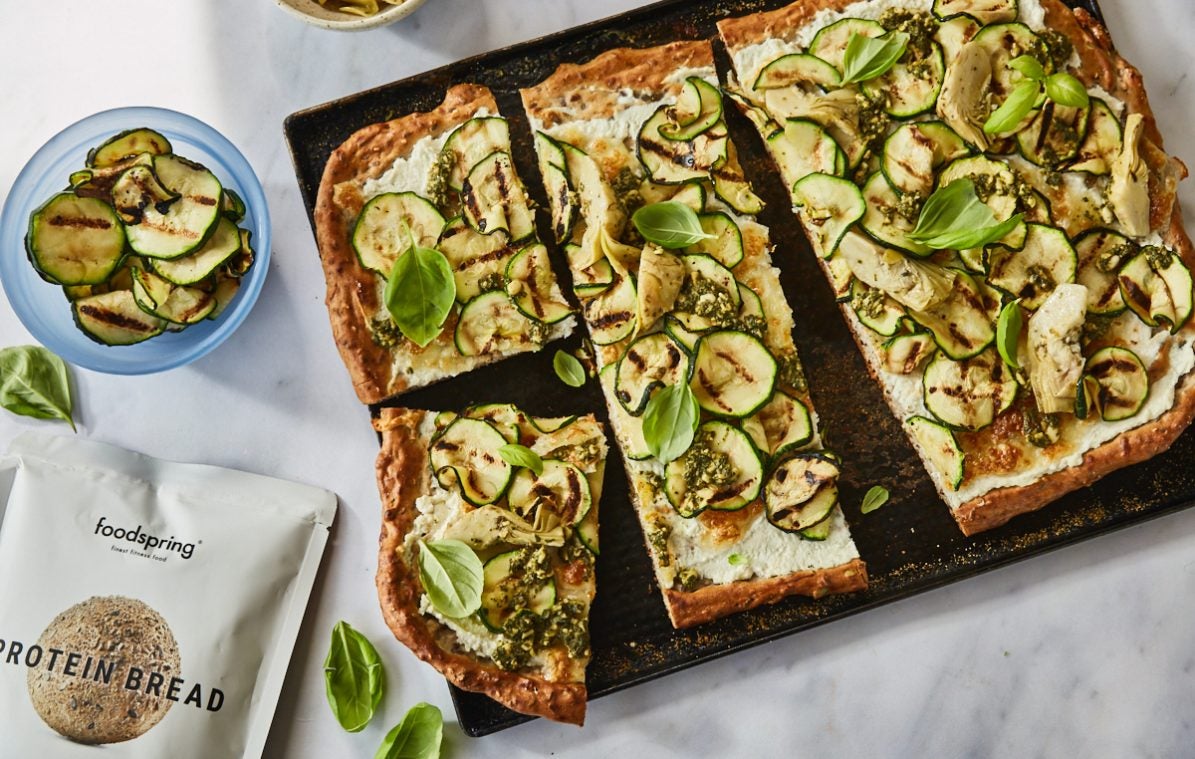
43	308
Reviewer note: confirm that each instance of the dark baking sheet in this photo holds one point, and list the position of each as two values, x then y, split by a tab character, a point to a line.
911	545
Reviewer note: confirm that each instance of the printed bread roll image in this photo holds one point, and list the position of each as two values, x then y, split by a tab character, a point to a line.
100	660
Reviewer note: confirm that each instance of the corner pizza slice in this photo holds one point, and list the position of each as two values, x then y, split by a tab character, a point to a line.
528	530
440	184
986	190
745	511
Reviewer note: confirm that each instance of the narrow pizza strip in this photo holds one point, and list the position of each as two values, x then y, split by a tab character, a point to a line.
441	180
932	218
748	513
447	483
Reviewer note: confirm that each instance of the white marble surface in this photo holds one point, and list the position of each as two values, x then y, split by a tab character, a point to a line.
1089	651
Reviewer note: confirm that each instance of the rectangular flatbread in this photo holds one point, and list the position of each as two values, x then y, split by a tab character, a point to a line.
748	513
442	478
443	180
1007	414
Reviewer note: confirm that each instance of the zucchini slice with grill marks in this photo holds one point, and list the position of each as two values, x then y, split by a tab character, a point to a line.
681	334
968	394
726	245
472	141
1004	42
733	373
983	11
1055	134
708	280
1123	382
612	313
75	241
905	354
232	205
530	284
126	145
884	221
490	323
955	32
731	185
650	363
1156	286
466	454
588	280
478	261
801	491
1103	142
506	418
186	223
225	290
177	304
220	247
962	325
910	89
783	424
493	198
562	200
720	471
502	589
914	152
1002	198
830	42
561	488
698	108
389	224
1031	274
136	188
798	69
1101	253
940	449
803	148
675	161
877	310
629	428
114	318
829	206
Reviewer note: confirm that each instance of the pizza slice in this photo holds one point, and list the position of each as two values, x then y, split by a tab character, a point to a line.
986	190
748	513
447	484
442	182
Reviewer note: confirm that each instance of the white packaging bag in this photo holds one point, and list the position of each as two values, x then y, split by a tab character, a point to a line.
147	606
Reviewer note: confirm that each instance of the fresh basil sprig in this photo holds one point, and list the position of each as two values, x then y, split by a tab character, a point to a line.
451	575
954	218
354	678
520	455
670	224
1060	87
869	57
1008	333
568	369
419	293
875	498
418	736
36	383
670	422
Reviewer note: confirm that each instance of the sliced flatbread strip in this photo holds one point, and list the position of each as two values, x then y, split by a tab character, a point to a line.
632	127
528	645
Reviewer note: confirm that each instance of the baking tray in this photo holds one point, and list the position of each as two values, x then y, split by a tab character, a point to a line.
910	546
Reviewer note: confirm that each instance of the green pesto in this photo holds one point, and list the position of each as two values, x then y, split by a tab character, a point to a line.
1096	327
791	373
868	301
873	121
1057	48
1040	429
919	25
1111	260
706	467
753	324
1158	257
688	579
438	191
495	280
987	185
709	300
385	333
1041	278
658	536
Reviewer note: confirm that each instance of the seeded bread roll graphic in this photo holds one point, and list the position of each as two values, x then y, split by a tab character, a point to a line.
81	692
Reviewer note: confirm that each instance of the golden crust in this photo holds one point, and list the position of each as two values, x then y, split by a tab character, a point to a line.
740	32
352	290
590	90
402	477
714	601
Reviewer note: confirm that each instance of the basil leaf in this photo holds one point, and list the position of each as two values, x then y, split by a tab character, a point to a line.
354	677
875	498
34	382
419	293
1066	90
568	369
670	422
670	224
1029	67
418	736
1008	333
520	455
867	57
1014	109
954	218
735	559
452	577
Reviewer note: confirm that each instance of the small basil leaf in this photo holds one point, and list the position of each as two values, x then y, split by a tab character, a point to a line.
736	559
875	498
1066	90
568	369
452	577
1014	109
867	57
520	455
419	293
353	677
954	218
670	422
35	383
418	736
1008	333
1028	66
669	224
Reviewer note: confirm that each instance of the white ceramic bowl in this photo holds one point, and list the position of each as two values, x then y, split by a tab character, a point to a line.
327	18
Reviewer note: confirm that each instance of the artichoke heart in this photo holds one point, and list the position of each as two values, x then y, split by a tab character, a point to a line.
490	525
918	285
661	275
963	102
624	258
1055	349
1129	191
